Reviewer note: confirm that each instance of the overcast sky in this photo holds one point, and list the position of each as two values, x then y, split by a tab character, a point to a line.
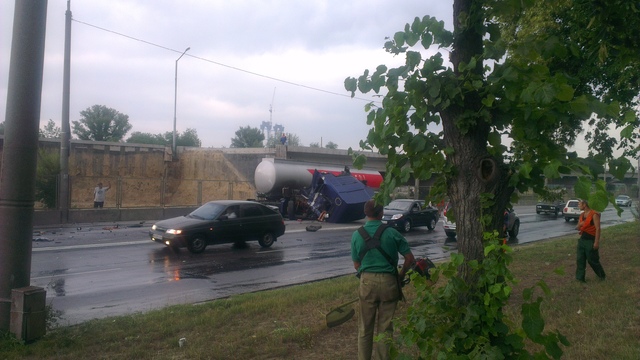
246	57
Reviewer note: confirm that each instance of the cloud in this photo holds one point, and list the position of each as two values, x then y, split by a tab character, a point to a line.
124	56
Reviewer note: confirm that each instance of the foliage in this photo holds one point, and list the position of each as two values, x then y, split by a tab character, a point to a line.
188	138
2	128
478	329
50	131
314	145
529	83
247	137
101	123
138	137
331	145
47	171
552	194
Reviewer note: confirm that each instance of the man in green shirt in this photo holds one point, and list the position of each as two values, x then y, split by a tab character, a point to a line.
378	290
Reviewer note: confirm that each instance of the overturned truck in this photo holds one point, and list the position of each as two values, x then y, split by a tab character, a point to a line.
315	191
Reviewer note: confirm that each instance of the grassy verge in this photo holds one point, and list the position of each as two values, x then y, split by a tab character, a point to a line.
600	319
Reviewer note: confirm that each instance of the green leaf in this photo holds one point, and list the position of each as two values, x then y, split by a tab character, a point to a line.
582	188
399	38
565	93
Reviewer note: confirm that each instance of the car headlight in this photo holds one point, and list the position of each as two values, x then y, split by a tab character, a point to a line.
153	227
174	231
396	217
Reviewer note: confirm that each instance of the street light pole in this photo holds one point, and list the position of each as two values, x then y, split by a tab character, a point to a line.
175	104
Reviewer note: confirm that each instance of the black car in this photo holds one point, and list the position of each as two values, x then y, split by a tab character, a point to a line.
218	222
405	214
548	207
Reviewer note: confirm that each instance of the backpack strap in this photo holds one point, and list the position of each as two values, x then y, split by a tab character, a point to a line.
374	243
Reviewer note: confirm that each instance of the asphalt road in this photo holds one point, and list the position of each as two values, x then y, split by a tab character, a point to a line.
99	270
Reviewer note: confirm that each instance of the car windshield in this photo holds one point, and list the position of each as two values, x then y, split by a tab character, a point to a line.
398	205
623	197
208	211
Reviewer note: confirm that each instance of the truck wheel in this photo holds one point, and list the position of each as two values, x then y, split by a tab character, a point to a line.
267	240
431	224
197	244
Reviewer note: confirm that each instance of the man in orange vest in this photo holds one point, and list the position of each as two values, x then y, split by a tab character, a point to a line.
589	242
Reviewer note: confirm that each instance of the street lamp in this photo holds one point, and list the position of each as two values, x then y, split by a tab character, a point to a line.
175	104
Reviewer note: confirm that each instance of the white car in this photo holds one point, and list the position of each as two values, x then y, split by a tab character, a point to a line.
623	200
571	210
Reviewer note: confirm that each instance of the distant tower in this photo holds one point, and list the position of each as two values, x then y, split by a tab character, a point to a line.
266	127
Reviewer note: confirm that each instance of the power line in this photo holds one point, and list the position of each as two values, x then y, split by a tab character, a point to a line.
221	64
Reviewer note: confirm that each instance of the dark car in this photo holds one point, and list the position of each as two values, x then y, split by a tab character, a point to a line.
405	214
511	220
547	207
218	222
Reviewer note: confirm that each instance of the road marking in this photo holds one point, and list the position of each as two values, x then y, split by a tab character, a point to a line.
88	246
77	273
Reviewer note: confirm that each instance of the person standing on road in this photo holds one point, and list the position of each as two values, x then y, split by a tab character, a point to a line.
99	195
589	242
378	291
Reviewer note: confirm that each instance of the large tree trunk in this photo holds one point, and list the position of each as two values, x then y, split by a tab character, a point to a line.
475	170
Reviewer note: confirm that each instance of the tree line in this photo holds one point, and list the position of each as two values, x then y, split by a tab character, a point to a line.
102	123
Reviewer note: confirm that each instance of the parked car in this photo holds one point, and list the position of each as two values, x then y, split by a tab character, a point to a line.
623	200
218	222
513	223
571	210
405	214
546	207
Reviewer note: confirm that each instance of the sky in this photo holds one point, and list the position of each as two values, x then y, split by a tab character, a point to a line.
250	61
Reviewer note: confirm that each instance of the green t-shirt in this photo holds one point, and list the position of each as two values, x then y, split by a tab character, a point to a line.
391	241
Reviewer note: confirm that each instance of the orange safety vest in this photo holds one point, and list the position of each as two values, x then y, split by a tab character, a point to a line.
588	226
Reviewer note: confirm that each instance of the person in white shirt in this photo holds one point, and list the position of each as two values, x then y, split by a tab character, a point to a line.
99	194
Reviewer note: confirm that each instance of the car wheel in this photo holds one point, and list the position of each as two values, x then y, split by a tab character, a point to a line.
406	226
515	229
537	212
197	244
431	225
555	213
566	219
267	240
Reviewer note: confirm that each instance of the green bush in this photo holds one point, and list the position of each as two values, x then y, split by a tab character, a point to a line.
47	178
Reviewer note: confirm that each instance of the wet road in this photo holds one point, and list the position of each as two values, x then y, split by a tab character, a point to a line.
97	271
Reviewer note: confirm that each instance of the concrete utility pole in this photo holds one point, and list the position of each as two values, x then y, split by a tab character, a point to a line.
63	195
20	153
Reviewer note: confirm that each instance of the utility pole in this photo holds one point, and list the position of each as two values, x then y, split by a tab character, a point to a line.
20	153
63	195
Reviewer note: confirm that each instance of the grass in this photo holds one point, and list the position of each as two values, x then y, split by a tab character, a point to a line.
600	319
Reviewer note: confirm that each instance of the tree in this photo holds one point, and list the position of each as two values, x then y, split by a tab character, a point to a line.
50	131
47	173
101	123
524	90
188	138
2	128
314	145
247	137
138	137
331	145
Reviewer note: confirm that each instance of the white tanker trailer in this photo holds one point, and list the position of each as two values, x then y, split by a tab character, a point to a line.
272	176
